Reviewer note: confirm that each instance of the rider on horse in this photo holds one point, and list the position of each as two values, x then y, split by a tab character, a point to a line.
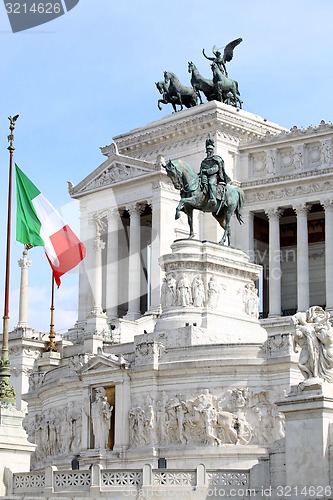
212	172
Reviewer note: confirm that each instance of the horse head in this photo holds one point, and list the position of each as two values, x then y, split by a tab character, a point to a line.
191	66
174	174
161	87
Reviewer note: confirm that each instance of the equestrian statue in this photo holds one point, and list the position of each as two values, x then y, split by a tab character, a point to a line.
209	191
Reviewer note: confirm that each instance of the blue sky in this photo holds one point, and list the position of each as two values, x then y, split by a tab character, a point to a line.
89	75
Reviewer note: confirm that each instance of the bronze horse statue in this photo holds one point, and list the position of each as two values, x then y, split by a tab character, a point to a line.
183	95
230	199
201	84
225	86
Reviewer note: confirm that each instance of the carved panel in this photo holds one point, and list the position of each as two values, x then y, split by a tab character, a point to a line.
72	478
174	478
29	481
313	155
286	160
121	478
259	164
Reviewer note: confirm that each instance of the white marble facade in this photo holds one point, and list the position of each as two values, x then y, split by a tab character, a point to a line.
170	351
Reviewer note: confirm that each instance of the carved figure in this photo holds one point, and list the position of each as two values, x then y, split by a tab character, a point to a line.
251	300
169	292
101	413
228	54
314	335
184	294
212	292
198	292
194	195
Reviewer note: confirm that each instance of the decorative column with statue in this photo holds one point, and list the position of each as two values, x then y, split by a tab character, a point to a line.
308	408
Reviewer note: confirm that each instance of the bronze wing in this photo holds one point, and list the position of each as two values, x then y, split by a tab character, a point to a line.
229	49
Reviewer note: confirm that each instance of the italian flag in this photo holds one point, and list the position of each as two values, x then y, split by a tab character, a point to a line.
39	224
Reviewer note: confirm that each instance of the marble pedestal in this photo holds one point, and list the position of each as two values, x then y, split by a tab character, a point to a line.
212	288
15	449
308	411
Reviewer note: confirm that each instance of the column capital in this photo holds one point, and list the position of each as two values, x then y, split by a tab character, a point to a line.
301	208
327	204
134	208
248	213
96	218
113	215
24	262
98	244
274	213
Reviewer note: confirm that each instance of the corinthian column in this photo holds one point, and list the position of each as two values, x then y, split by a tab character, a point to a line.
96	320
274	262
112	288
303	293
24	263
328	206
248	234
134	264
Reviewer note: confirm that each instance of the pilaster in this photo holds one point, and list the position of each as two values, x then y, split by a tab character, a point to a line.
274	215
303	292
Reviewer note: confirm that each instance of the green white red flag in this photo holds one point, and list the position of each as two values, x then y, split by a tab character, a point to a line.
39	224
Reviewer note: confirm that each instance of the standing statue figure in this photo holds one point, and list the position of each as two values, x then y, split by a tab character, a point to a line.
184	293
227	55
212	172
251	300
101	413
198	292
212	292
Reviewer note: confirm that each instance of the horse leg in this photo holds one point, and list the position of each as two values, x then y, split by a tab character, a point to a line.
189	213
223	237
197	91
180	101
227	231
179	208
158	104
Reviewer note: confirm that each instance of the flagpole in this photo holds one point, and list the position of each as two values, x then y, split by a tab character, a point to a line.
7	392
51	346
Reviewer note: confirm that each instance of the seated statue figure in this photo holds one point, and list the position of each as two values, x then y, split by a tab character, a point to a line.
314	335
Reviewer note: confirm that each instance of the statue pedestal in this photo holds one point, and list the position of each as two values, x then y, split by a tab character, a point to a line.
210	287
15	449
308	426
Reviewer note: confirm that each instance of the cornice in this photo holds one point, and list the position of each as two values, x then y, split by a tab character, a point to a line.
321	131
188	124
288	188
283	179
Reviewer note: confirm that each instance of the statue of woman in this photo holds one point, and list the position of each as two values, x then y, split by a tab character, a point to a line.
101	413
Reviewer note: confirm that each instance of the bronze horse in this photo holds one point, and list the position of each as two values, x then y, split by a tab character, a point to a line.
193	196
185	95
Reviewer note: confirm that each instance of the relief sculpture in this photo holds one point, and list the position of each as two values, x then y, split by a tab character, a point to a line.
239	417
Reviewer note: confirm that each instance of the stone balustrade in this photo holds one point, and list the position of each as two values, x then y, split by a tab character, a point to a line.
97	482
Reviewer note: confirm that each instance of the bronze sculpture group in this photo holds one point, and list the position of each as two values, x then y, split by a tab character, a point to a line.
220	87
208	191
